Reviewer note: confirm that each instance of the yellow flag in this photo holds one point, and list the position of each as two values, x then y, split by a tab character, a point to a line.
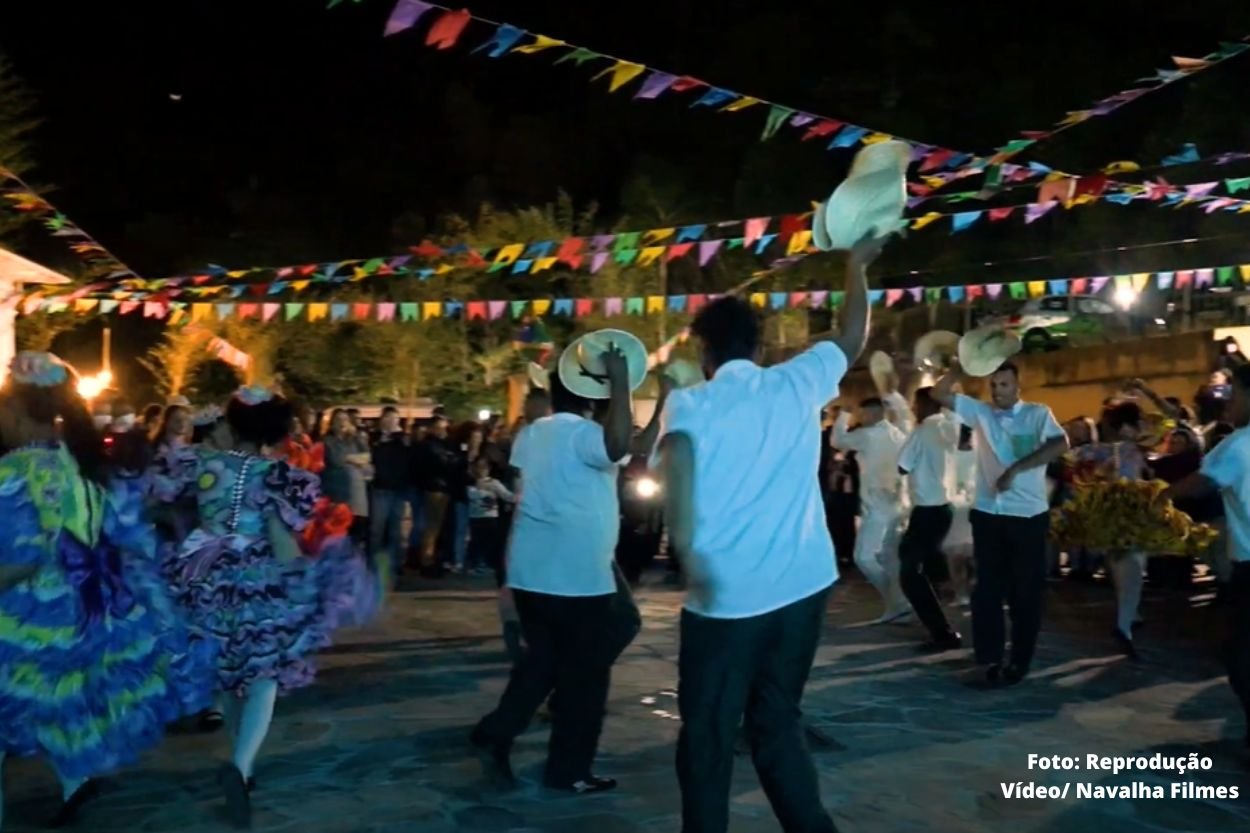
540	43
741	104
876	138
542	264
508	255
299	286
431	309
317	312
359	274
1140	280
799	242
541	305
237	273
622	73
1121	168
443	268
650	255
1245	272
933	181
921	222
85	304
200	311
656	235
655	303
759	299
1037	289
176	316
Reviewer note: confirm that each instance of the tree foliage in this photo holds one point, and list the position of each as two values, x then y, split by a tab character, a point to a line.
17	121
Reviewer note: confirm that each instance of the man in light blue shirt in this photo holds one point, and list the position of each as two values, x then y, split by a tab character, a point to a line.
740	455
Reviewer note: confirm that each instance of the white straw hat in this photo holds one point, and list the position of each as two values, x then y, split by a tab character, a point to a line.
934	350
983	350
581	364
880	366
871	200
540	377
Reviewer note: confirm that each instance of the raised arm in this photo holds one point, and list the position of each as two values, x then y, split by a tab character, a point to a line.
856	314
645	442
1165	407
842	437
944	391
677	470
618	429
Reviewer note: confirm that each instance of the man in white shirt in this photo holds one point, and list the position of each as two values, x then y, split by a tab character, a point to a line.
740	456
1010	516
560	571
1227	470
876	443
928	460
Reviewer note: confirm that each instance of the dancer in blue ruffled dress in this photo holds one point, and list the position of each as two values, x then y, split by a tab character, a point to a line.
242	581
93	662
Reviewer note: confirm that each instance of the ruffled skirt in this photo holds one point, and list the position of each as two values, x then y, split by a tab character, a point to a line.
91	696
266	617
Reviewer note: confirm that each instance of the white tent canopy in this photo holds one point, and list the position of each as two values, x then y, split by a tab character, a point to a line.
16	270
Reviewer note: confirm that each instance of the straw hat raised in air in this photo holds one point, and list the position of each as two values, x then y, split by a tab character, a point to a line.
983	350
870	201
581	365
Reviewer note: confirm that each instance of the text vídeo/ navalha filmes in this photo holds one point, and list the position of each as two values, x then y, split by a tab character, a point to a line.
1156	763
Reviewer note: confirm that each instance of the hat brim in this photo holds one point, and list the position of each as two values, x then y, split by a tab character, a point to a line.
540	377
684	374
983	351
820	236
861	206
935	343
589	382
880	366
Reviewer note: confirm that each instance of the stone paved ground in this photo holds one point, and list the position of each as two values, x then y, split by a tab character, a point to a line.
377	746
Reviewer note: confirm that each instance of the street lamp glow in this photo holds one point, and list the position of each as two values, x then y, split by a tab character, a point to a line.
647	488
1125	297
89	387
483	415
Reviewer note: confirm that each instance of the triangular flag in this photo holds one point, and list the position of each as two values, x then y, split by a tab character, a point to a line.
543	264
741	104
994	290
597	261
893	296
921	222
540	43
505	37
955	293
875	296
1140	280
447	30
798	243
1164	280
759	299
625	257
650	255
507	256
818	298
1224	275
676	303
248	311
836	299
541	305
657	235
714	98
708	250
562	306
579	56
678	250
848	136
293	310
1244	269
200	312
754	229
1079	285
963	220
655	84
777	116
224	311
1058	287
107	306
496	309
622	73
405	15
1239	184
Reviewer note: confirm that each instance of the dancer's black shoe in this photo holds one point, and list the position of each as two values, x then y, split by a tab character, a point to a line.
68	814
1126	644
238	803
1013	674
496	757
938	645
585	786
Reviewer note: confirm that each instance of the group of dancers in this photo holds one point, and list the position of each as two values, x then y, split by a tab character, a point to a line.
111	632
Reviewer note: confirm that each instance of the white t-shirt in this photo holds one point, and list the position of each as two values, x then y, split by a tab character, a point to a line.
1228	465
566	526
928	457
484	498
1002	438
760	539
876	450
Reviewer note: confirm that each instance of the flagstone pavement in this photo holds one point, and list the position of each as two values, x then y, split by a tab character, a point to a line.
377	745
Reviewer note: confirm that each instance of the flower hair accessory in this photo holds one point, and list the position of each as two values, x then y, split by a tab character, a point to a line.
43	370
253	395
207	416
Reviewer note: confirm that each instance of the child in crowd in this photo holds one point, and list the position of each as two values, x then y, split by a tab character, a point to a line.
485	531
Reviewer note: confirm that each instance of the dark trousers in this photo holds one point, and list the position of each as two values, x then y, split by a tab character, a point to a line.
840	512
565	656
1010	558
485	544
754	668
386	523
1237	646
921	544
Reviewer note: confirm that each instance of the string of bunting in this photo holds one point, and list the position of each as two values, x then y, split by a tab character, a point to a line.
1162	78
1227	277
93	253
448	26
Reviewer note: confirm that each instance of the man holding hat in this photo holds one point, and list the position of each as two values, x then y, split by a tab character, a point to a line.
1011	513
560	561
739	455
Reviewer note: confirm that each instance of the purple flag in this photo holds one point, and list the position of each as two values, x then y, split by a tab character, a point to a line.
655	84
602	241
819	298
405	15
707	250
802	120
597	261
1035	211
496	309
994	290
1203	277
1096	284
612	306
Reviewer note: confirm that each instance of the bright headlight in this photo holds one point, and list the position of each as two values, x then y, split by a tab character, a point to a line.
646	487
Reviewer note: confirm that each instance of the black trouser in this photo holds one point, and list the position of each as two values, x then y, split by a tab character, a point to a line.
565	654
1237	646
921	543
485	544
757	668
840	511
1010	557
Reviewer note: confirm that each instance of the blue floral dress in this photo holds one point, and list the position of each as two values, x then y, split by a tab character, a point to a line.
94	662
265	616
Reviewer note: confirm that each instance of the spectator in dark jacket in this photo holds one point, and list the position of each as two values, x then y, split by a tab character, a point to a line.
392	481
434	464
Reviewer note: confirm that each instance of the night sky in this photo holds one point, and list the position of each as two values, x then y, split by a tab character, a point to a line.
302	135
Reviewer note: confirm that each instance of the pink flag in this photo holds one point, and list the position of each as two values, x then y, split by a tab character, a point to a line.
994	290
268	311
496	309
612	306
755	229
1203	277
386	311
1037	210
